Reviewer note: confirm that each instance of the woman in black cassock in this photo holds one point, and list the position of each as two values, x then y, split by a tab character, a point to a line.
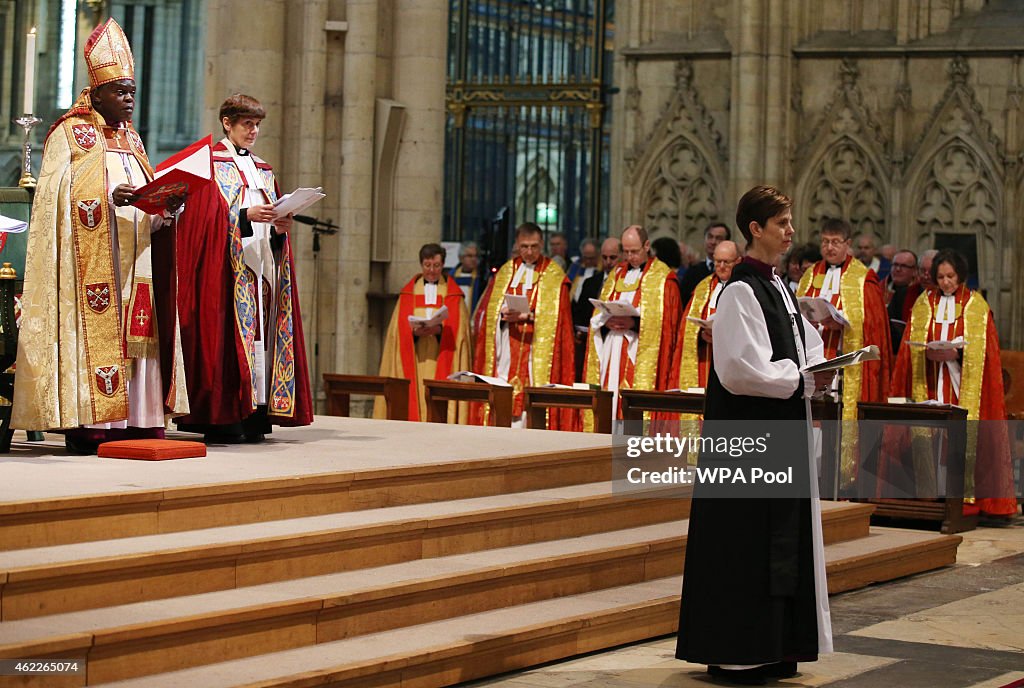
754	599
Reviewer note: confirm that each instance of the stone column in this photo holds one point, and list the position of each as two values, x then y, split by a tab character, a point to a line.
747	159
352	257
419	73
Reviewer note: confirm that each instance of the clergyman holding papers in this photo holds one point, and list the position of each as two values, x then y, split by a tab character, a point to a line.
245	355
428	336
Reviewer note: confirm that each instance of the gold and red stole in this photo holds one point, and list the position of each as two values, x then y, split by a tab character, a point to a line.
972	313
107	344
695	360
412	302
649	299
849	300
529	342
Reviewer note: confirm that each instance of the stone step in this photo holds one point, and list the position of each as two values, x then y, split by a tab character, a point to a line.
199	629
66	578
44	522
482	643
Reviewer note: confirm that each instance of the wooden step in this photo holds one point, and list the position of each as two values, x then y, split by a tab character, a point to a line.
132	513
445	652
87	575
216	626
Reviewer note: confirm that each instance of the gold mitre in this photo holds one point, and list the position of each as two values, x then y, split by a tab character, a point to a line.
108	55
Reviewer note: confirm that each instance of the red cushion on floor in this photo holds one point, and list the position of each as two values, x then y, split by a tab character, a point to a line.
151	450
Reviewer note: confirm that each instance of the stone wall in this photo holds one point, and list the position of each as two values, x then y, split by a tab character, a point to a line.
901	116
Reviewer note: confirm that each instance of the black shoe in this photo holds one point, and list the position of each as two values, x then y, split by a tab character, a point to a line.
223	438
780	670
738	677
254	437
80	447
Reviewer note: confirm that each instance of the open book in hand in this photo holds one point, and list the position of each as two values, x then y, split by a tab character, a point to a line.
297	201
941	344
438	317
470	376
817	309
868	353
178	175
615	308
703	322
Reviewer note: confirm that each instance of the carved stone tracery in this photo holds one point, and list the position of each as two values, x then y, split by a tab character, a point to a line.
957	186
678	169
843	175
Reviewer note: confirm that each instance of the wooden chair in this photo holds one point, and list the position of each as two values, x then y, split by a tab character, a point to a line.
339	388
439	392
537	400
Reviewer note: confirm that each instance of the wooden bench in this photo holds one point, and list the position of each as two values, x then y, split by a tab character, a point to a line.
339	389
439	392
948	510
635	402
537	400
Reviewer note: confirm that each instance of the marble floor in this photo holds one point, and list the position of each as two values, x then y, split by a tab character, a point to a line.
953	628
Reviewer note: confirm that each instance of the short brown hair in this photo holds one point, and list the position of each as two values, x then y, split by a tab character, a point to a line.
759	205
431	250
835	225
240	105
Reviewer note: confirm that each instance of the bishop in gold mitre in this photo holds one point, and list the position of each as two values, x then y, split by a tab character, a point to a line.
98	355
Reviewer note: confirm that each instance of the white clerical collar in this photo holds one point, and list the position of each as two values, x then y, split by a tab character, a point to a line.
946	310
524	275
430	293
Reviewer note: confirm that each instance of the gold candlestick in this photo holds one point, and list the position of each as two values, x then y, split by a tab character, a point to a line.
26	122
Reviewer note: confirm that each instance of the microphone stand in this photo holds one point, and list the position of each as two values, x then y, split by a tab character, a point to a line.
320	228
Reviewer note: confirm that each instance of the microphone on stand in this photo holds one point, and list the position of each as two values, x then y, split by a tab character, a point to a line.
315	222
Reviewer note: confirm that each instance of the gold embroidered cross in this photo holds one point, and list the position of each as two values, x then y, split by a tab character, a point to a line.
142	319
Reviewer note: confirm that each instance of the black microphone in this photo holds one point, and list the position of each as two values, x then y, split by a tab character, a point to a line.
308	220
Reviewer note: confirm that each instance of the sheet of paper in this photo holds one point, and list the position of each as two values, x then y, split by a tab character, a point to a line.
817	309
297	201
701	321
941	344
438	317
470	376
12	226
517	302
616	308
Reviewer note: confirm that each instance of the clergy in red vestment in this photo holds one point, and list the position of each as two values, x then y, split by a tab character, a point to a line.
245	355
855	292
635	352
417	348
693	349
531	347
970	377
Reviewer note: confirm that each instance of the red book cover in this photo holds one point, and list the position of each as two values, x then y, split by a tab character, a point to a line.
178	175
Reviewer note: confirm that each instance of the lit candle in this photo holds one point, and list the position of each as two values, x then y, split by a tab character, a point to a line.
30	72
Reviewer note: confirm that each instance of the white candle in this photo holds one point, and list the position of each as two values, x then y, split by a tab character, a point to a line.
30	72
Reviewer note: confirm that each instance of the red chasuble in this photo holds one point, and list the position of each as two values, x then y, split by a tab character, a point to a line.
540	351
217	300
401	359
980	390
861	301
656	296
693	354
